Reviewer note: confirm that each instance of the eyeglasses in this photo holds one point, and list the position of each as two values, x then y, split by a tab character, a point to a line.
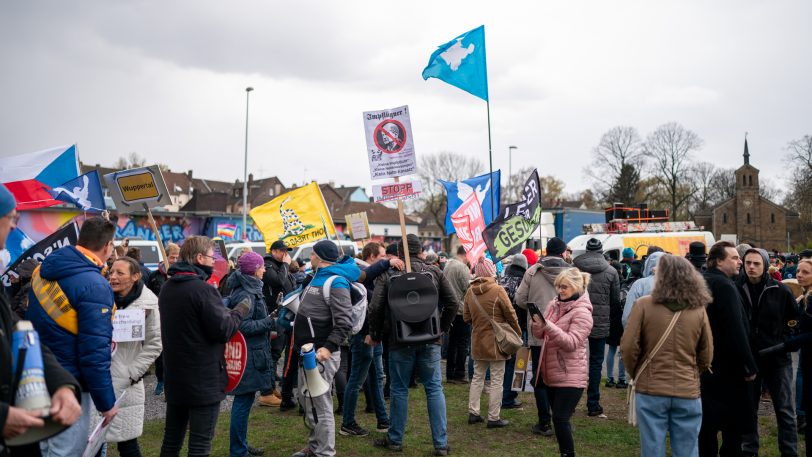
209	256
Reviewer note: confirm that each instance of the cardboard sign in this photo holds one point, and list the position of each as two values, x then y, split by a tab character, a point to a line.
132	188
389	143
359	225
65	236
236	355
396	191
129	325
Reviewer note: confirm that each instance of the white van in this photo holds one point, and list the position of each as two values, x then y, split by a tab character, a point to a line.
150	252
303	251
234	249
672	242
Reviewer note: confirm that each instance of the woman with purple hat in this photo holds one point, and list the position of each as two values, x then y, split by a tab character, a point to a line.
246	283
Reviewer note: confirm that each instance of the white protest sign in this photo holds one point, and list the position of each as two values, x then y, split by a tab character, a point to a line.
96	439
129	325
136	186
396	191
389	143
359	225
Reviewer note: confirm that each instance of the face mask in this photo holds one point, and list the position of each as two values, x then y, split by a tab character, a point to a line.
207	270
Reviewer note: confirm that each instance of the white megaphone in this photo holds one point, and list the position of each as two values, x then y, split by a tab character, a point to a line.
314	385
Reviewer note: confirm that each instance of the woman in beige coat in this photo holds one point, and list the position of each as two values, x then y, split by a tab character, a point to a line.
486	301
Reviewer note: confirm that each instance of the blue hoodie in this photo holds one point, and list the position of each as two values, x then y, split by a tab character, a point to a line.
79	328
642	286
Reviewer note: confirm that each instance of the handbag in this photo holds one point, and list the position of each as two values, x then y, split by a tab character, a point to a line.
507	340
630	401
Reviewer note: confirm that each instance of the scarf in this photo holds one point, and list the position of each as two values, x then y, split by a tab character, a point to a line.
123	301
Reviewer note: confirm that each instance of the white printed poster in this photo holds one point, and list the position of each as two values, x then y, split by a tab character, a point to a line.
390	146
359	225
128	325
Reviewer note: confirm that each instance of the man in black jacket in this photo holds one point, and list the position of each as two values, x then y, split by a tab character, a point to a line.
195	327
278	280
724	388
771	311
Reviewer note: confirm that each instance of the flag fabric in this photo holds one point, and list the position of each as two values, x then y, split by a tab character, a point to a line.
67	235
469	224
226	230
457	192
296	217
83	191
30	176
16	244
516	222
461	62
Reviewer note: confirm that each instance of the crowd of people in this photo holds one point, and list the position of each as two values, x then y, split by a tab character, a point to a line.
699	338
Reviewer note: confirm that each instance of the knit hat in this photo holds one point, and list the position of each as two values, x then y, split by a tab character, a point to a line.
556	246
628	253
7	202
531	256
594	244
250	262
392	249
413	243
326	250
519	260
484	268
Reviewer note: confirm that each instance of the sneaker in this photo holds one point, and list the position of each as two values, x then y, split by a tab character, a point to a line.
609	383
382	427
442	450
385	443
269	400
256	451
286	405
513	405
352	430
474	419
543	430
306	452
595	412
622	384
498	423
159	388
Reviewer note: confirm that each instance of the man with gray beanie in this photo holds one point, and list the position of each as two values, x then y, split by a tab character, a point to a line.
537	288
604	293
510	282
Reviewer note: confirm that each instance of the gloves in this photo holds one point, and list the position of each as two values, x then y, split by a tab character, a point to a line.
243	307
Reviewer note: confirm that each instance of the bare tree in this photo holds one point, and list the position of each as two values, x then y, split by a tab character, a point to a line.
704	198
552	189
133	160
448	166
669	148
800	152
616	163
512	189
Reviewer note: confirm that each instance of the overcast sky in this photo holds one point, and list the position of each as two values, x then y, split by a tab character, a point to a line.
167	80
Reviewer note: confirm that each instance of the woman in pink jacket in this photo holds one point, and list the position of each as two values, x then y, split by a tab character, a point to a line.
565	328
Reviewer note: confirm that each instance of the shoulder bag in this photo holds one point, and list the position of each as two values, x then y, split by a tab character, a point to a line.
507	340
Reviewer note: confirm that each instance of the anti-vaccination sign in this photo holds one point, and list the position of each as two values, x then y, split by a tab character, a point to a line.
389	143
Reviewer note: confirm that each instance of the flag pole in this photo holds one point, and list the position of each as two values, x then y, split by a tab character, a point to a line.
490	156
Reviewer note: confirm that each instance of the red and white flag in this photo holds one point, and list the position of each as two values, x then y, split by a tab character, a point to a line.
469	223
30	176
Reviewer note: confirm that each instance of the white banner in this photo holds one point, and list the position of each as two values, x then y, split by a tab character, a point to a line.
396	191
389	143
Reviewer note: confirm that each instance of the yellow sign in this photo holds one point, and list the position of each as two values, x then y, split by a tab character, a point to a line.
677	245
138	186
296	217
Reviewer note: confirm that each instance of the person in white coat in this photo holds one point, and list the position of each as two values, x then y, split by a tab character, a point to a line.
132	359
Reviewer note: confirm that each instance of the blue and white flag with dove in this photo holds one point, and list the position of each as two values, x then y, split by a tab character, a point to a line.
84	191
457	192
461	62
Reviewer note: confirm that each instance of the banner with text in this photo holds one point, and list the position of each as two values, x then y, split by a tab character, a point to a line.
470	224
389	143
67	235
396	191
516	222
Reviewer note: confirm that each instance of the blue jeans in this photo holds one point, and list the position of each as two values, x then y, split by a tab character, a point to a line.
362	358
680	417
73	440
610	365
240	409
425	360
593	392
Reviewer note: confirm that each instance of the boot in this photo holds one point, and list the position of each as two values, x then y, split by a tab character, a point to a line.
269	400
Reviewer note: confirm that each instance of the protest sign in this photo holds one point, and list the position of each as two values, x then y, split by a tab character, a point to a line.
67	235
396	191
130	189
129	325
236	355
359	225
515	223
96	438
389	143
470	224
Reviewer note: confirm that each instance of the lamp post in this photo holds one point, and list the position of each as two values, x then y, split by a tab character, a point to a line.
245	172
510	168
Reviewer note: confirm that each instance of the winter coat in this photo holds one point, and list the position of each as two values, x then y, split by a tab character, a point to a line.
325	324
487	301
448	302
805	339
642	286
277	279
156	280
510	282
55	375
564	359
195	327
131	361
537	287
459	277
256	328
79	328
770	314
604	289
687	352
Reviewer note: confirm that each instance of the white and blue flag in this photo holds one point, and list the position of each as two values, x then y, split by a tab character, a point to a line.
457	192
84	191
461	62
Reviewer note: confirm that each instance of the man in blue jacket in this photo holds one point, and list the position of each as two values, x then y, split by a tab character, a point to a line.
71	306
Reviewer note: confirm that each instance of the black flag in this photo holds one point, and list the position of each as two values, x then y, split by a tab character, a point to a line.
516	222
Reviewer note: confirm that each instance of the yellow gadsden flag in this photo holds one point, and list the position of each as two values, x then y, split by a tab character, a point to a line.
297	217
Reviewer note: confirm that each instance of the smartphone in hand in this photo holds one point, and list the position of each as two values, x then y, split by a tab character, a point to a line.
535	311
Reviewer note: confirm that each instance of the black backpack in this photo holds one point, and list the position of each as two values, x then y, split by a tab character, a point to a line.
413	308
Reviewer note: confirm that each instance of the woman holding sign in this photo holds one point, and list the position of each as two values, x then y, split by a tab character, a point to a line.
137	343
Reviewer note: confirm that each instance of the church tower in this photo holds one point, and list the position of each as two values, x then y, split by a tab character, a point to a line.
747	200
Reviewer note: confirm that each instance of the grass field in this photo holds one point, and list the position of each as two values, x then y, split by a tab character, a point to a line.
282	434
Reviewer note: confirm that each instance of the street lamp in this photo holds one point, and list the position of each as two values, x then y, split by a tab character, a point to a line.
510	167
245	172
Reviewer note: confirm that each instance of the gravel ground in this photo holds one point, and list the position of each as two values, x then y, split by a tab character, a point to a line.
156	407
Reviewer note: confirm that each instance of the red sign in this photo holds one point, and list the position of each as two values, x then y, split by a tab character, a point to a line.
236	356
396	191
469	223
